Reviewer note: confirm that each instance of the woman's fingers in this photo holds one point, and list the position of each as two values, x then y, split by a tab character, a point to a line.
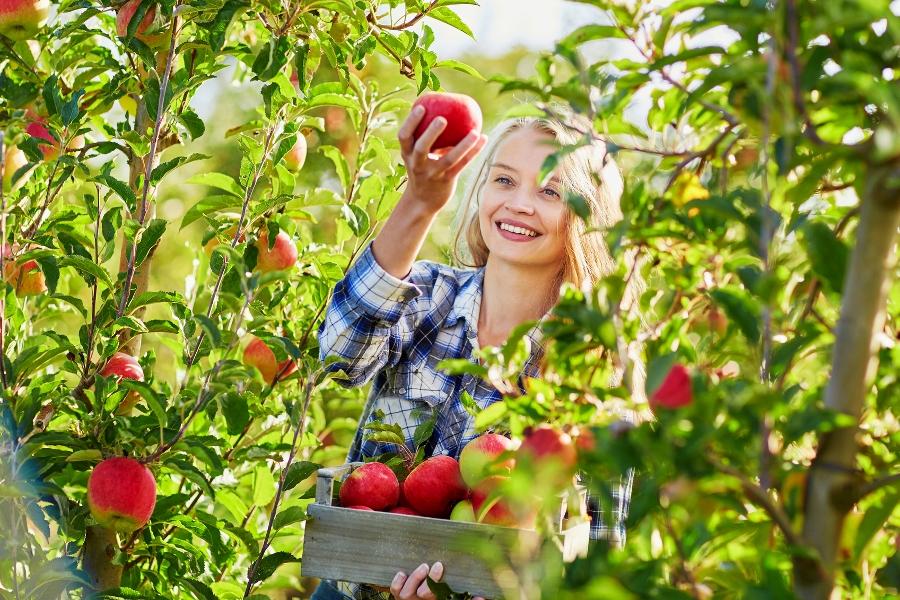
459	151
424	592
427	139
472	152
406	131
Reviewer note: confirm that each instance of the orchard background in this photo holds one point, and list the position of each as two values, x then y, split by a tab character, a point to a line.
762	194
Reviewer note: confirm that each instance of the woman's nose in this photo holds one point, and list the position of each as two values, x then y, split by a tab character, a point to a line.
521	204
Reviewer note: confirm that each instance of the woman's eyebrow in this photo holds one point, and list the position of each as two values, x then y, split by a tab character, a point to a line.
499	165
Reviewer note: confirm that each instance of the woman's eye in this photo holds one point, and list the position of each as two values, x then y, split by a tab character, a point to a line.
551	192
503	179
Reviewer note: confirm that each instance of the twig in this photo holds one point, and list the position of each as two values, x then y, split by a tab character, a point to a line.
876	484
312	379
3	269
408	23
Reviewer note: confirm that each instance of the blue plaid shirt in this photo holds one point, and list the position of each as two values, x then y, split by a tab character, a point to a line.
396	331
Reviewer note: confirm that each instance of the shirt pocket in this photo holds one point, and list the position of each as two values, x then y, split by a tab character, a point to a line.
420	384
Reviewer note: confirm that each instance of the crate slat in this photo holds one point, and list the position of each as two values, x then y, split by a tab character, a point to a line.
370	547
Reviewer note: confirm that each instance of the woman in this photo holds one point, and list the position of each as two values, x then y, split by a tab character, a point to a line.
393	319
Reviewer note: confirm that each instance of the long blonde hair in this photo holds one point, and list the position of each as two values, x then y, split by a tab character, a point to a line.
589	172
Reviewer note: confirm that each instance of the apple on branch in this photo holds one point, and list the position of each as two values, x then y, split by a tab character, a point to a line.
26	278
282	255
258	354
21	19
124	366
126	13
296	156
461	112
121	494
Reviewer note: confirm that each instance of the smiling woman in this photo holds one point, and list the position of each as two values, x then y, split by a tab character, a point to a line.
393	318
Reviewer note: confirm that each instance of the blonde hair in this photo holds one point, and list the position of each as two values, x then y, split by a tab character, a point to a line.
589	172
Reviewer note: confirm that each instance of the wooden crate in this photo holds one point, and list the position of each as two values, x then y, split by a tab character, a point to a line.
370	547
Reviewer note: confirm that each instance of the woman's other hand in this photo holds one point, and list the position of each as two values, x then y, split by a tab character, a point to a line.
415	586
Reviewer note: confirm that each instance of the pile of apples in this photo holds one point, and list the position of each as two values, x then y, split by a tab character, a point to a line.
469	489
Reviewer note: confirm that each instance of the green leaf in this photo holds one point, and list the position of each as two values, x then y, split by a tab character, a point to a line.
219	181
592	32
874	519
288	516
150	237
236	412
686	55
88	269
657	370
266	567
340	165
263	485
298	471
741	310
445	15
458	65
92	455
331	99
491	415
209	205
828	255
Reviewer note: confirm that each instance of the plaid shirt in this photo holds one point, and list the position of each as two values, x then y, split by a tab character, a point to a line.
396	331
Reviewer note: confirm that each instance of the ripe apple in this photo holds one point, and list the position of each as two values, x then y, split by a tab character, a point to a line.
282	255
258	354
373	485
480	453
214	241
37	128
545	444
491	509
463	511
359	508
21	19
14	160
296	156
123	20
127	367
27	279
121	494
461	112
404	510
675	391
433	487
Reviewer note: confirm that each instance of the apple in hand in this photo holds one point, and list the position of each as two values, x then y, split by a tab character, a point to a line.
258	354
121	494
282	255
461	112
480	453
372	485
433	487
21	19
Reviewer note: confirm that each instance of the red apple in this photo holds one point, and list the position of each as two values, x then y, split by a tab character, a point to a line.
675	391
14	160
545	444
27	278
21	19
258	354
214	241
373	485
461	112
282	255
296	156
123	20
480	453
359	507
121	494
404	510
433	487
37	128
491	509
127	367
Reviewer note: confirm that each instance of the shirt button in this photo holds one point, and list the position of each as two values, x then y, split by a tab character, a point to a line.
403	390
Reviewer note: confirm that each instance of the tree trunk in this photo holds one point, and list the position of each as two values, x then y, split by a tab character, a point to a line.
832	482
100	546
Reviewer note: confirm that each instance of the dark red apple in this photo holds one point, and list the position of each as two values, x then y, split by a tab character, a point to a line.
404	510
480	453
544	443
360	507
121	494
435	486
461	112
373	485
675	390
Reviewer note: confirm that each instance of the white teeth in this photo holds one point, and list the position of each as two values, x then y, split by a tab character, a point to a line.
519	230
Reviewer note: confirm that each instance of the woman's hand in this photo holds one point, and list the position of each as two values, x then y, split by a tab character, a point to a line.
415	587
431	180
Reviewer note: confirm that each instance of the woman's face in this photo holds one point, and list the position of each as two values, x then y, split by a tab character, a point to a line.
523	222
